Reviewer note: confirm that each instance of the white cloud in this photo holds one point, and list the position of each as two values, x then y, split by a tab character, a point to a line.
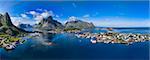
115	21
46	14
38	18
32	13
86	16
57	16
24	16
72	18
39	9
17	20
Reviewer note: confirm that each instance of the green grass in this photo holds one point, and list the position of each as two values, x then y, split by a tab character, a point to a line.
68	29
9	38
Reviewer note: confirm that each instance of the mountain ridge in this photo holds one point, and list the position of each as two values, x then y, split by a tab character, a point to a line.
49	24
6	26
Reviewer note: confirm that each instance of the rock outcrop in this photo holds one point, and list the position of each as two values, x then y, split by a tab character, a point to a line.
26	27
49	24
78	24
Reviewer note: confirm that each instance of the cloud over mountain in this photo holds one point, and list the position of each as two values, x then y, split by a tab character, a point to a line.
72	18
35	16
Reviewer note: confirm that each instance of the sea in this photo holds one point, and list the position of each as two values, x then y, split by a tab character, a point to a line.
66	46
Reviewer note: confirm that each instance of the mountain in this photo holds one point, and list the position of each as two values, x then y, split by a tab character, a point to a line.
7	27
78	24
26	27
49	24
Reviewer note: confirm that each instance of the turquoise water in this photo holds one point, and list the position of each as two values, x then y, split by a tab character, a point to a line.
68	47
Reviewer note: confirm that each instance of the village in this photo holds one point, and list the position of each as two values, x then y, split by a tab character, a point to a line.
111	37
9	42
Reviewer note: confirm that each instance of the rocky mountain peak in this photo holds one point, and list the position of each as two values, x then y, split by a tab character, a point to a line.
49	24
50	18
7	19
6	26
78	24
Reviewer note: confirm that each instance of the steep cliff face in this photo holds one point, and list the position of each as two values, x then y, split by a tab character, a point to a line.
7	27
78	24
1	16
49	24
6	21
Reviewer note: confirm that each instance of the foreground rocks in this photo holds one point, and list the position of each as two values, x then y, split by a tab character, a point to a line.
9	42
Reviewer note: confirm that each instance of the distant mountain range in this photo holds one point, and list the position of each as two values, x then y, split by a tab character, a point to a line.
47	24
79	24
51	24
26	27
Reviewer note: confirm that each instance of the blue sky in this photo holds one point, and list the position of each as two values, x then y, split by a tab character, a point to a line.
101	13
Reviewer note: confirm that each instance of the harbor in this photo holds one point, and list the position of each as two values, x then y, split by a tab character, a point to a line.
112	37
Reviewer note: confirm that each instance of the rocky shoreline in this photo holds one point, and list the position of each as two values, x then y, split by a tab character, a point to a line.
9	42
110	37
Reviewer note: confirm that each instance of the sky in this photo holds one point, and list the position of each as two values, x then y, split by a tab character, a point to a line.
101	13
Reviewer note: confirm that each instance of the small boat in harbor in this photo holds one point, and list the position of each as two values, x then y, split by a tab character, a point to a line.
93	40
